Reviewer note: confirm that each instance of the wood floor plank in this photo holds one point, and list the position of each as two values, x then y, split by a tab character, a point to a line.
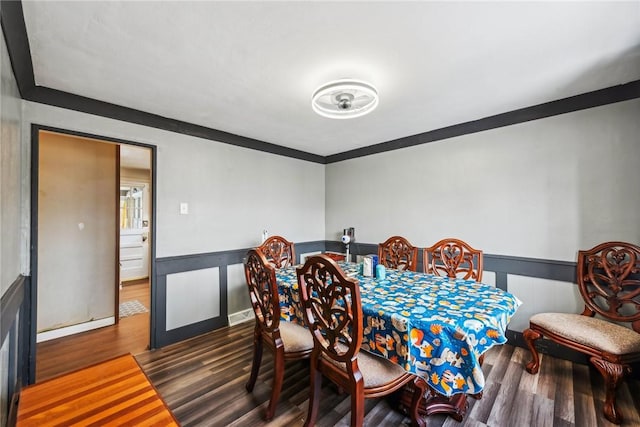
501	360
521	409
582	379
585	410
542	411
528	383
130	335
202	380
547	377
564	407
115	392
481	411
503	404
634	391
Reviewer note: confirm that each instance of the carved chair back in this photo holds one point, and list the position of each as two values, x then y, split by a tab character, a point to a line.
332	309
397	252
609	282
453	258
263	291
278	251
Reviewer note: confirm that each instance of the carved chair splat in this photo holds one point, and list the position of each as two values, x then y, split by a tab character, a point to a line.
609	283
453	258
397	252
333	313
279	251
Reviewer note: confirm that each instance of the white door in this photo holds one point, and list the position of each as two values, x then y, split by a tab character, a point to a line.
134	232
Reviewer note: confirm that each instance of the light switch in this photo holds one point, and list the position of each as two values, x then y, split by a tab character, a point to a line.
184	208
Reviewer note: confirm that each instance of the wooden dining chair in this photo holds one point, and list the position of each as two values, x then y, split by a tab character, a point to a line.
333	313
609	283
453	258
287	340
279	251
397	252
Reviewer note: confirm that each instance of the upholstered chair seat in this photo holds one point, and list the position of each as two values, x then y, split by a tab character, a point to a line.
376	370
295	337
590	331
609	283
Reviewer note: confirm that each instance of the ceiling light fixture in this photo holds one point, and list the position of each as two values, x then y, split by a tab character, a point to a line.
344	99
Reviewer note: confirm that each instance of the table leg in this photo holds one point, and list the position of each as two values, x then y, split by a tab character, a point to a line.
434	403
454	406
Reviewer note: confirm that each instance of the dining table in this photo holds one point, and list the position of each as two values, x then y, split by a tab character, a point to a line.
435	327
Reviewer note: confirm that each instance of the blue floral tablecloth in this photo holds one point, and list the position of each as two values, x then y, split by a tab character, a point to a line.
432	326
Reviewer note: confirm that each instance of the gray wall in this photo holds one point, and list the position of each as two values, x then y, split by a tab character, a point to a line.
12	243
540	189
233	193
11	178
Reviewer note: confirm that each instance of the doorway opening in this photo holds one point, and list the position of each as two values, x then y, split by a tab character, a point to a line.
93	250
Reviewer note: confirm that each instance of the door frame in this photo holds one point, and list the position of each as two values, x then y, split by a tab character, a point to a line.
33	247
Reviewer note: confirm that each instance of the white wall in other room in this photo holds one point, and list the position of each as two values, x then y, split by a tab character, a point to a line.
77	222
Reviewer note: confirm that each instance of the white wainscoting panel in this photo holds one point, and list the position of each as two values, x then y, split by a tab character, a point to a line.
489	278
192	296
237	291
542	295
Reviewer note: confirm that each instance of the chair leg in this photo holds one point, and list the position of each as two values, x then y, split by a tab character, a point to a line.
315	387
357	404
278	376
613	373
419	389
257	359
530	337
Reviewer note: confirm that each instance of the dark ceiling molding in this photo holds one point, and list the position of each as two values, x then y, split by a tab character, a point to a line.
583	101
82	104
15	33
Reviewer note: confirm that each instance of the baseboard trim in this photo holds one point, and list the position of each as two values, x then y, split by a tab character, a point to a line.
75	329
240	316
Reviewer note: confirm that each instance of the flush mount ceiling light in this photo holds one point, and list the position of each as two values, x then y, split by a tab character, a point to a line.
344	99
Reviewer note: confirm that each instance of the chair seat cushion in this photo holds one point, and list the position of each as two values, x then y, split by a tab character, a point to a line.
295	337
590	331
376	370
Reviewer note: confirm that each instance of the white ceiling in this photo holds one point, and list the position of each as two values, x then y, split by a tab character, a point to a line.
250	68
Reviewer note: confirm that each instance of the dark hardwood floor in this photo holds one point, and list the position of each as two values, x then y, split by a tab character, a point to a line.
130	335
202	380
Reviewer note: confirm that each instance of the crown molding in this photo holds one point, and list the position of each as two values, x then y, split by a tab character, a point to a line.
15	34
596	98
